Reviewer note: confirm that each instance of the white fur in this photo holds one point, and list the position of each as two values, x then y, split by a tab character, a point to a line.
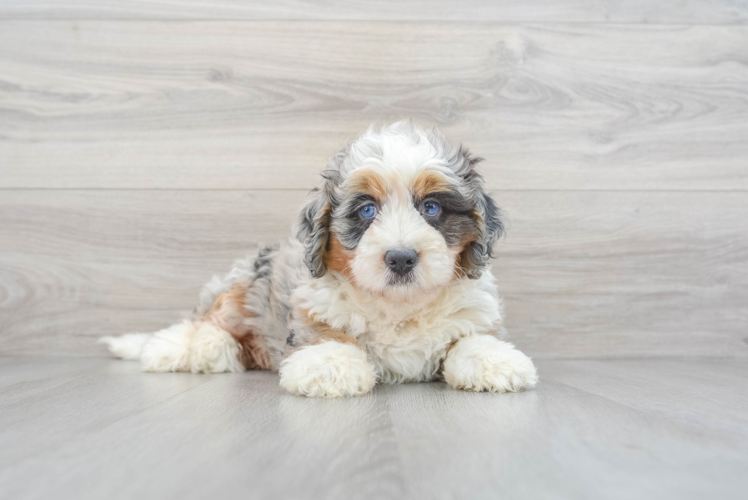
329	369
400	225
484	363
183	347
214	350
399	154
400	151
406	337
404	328
168	350
126	346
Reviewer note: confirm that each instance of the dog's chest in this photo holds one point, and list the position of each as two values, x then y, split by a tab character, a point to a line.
409	350
405	340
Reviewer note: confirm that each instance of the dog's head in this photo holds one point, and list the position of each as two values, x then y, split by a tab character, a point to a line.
400	209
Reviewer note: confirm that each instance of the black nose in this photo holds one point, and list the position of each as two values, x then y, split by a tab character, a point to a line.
401	261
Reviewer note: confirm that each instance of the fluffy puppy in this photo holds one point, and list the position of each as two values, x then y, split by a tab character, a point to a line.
387	281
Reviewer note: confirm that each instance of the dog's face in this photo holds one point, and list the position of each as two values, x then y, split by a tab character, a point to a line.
400	211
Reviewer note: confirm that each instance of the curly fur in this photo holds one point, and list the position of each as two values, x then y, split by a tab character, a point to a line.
330	312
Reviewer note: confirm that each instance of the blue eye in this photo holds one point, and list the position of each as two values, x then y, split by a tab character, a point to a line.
368	211
431	208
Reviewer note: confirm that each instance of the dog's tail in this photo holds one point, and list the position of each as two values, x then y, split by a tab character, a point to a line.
128	346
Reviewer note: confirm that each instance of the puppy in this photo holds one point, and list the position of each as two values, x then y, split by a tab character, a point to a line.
387	281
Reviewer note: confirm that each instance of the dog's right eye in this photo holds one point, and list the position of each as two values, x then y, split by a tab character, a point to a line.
368	211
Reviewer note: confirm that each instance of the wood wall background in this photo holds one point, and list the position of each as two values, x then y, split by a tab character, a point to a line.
146	145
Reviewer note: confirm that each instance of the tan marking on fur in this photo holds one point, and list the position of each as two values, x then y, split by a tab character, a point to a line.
440	371
230	313
338	258
326	217
461	261
252	354
478	217
369	182
329	333
430	181
451	346
324	331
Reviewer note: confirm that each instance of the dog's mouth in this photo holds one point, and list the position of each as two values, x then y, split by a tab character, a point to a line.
397	280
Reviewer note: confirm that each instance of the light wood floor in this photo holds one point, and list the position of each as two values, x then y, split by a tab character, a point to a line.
145	145
624	429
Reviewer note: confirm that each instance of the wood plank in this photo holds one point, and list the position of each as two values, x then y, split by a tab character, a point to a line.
620	429
636	11
583	274
562	442
28	383
95	104
688	396
247	430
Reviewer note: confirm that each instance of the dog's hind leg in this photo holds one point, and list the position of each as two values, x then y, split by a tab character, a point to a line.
190	346
219	341
126	346
166	350
229	331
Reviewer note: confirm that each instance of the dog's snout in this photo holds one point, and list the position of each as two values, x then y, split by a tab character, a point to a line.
401	261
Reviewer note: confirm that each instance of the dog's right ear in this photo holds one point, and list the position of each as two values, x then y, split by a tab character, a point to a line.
314	224
314	233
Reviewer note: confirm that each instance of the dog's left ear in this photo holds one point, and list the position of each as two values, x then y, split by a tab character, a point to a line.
314	224
489	228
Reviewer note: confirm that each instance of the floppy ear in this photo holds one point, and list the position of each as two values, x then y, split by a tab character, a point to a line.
489	229
314	232
314	224
488	224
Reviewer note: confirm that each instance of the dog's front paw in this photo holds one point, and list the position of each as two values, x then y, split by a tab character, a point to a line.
327	370
485	363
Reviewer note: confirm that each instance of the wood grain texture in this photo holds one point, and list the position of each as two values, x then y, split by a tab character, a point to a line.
94	104
583	274
545	444
91	429
145	145
624	11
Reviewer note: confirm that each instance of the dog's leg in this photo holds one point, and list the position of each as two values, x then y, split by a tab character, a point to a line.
220	341
485	363
214	350
166	350
332	366
200	347
126	346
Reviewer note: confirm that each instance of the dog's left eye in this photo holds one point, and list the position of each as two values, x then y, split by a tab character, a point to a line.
431	208
368	211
